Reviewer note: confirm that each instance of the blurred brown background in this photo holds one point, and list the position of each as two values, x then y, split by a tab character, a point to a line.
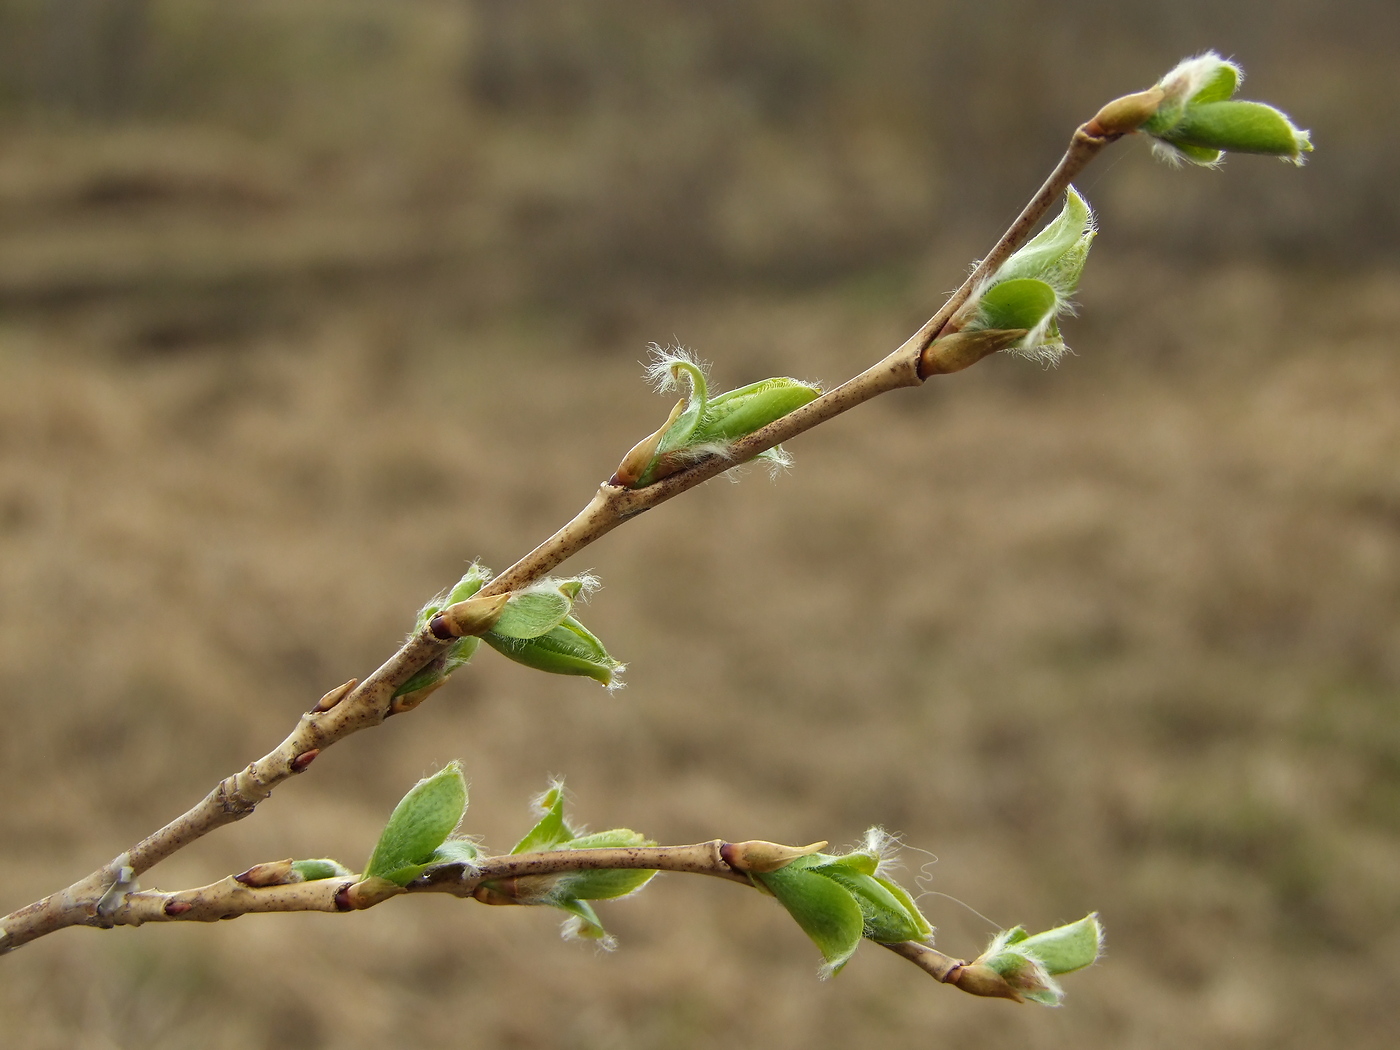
305	304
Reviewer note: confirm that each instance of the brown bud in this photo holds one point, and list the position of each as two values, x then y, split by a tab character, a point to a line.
409	701
1126	114
177	907
977	979
475	616
299	764
273	873
335	696
367	893
634	464
958	350
759	857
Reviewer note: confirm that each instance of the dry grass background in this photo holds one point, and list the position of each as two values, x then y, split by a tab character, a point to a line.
303	306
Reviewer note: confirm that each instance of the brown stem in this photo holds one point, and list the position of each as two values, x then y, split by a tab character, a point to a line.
369	703
234	896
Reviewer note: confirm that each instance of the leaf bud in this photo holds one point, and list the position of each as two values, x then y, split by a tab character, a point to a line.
980	979
1028	292
271	873
1199	121
1127	114
569	648
958	350
757	857
474	616
703	426
1067	948
1029	964
539	608
436	672
320	868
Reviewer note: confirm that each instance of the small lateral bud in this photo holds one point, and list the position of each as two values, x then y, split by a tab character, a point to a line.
761	857
489	893
367	893
299	764
959	350
335	696
272	873
977	979
470	618
408	701
635	463
175	908
1126	114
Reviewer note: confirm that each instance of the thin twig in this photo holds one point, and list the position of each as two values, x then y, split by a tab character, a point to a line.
232	897
355	707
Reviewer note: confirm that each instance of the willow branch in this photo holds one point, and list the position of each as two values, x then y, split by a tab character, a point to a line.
357	706
233	897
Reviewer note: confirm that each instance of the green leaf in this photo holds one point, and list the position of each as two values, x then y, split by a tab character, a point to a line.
457	654
616	838
604	884
321	868
1041	255
921	924
1021	303
854	863
532	613
552	831
679	434
457	851
568	649
1066	948
887	919
585	924
472	581
1239	127
419	824
1219	85
826	910
740	412
1197	154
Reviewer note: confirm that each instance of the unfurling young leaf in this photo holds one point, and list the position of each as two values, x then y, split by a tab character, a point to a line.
437	671
541	607
1197	120
419	825
825	909
570	891
1029	964
320	868
703	426
1031	289
824	893
552	830
1067	948
569	648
